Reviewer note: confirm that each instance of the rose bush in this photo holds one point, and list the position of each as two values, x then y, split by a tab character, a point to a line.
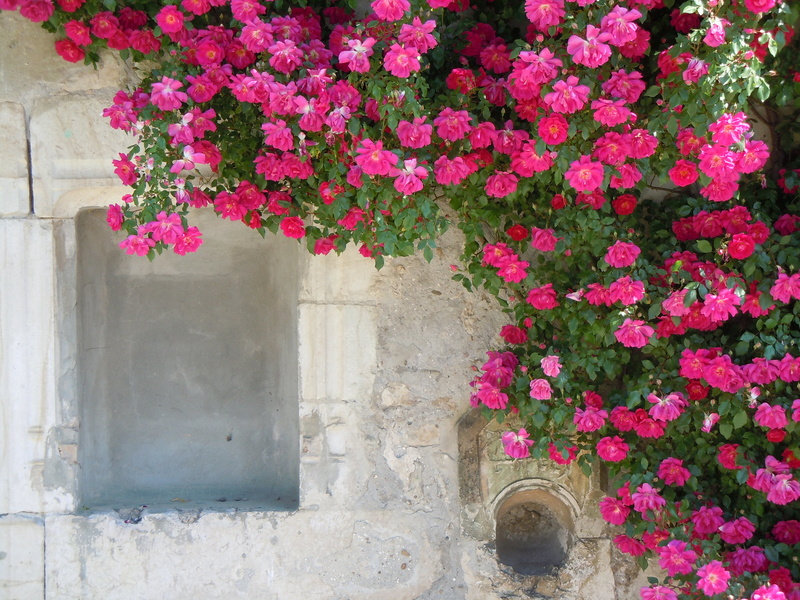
626	179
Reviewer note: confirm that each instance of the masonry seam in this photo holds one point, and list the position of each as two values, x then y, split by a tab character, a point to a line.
29	155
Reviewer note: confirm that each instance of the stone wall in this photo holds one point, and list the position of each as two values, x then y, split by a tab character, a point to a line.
400	483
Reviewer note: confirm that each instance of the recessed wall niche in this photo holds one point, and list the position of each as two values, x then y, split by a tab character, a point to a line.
187	370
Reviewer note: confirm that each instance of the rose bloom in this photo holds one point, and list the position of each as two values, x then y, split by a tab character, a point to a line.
542	298
622	254
741	246
556	455
770	416
624	205
657	592
672	471
612	449
634	333
512	334
614	511
543	240
541	390
517	232
553	129
585	175
713	578
551	366
293	227
517	445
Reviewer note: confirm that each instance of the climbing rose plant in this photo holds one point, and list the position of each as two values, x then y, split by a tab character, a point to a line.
626	178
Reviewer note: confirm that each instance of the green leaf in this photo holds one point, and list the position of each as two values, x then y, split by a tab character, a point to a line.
704	246
740	420
726	429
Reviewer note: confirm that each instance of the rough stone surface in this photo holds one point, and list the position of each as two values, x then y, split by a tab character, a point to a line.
399	481
14	190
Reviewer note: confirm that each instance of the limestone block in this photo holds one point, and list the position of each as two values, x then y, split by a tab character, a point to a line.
359	555
31	67
14	196
27	336
337	351
72	147
21	558
347	278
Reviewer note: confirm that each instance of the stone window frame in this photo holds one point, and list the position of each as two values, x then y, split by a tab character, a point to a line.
337	356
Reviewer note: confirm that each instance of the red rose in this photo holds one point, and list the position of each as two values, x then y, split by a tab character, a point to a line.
69	51
696	390
513	334
293	227
624	204
776	435
517	232
558	202
741	246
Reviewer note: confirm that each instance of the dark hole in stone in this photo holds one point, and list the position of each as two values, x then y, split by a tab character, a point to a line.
530	539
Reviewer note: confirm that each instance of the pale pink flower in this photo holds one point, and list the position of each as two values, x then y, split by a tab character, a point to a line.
585	175
551	366
784	490
517	445
540	389
773	592
634	333
718	162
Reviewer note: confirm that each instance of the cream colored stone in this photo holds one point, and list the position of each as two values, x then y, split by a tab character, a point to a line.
337	352
26	370
71	147
270	556
14	194
21	558
30	67
347	278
